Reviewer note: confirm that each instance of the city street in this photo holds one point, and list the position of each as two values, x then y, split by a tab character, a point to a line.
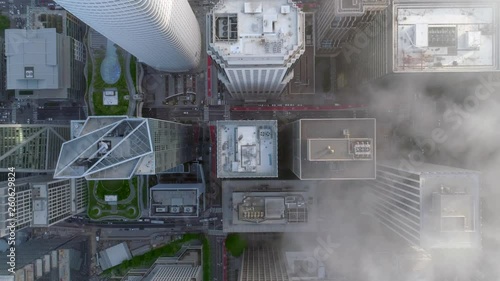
217	260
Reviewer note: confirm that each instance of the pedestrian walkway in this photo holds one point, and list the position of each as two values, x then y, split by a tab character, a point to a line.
206	112
215	210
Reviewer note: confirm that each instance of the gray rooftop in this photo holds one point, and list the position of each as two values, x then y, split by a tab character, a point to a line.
445	201
257	32
269	206
247	149
114	256
171	200
37	60
333	149
445	37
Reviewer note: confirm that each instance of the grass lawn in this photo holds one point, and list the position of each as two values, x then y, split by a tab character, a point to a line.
235	244
89	72
115	187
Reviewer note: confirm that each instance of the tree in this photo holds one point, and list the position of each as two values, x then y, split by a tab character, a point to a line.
4	24
235	244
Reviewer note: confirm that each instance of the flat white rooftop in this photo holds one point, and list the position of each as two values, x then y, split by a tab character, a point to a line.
259	32
445	37
247	149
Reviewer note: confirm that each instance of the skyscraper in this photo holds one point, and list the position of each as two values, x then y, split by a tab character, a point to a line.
330	149
31	148
264	263
247	149
422	39
42	201
338	21
43	63
119	147
255	45
428	205
162	34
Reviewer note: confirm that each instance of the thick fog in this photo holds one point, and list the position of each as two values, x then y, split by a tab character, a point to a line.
447	121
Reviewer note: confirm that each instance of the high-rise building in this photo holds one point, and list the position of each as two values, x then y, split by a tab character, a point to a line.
43	63
41	201
430	206
162	34
254	45
338	21
268	263
31	148
247	149
330	149
119	147
187	265
54	258
423	37
269	206
264	263
178	195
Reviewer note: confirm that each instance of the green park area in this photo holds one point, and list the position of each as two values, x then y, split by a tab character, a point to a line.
126	206
235	244
171	249
99	85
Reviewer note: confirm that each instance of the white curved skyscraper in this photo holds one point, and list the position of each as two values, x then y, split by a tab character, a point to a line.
163	34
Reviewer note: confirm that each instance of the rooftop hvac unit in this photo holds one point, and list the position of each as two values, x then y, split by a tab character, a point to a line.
175	209
265	134
188	209
161	210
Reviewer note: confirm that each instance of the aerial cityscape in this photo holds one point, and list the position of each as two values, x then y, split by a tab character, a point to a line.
249	140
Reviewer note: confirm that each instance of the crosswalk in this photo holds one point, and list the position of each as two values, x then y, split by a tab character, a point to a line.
206	116
215	210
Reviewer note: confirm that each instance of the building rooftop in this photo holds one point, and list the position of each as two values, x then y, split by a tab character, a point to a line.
333	148
445	200
249	32
31	148
247	149
259	262
268	206
119	147
445	37
167	201
178	193
185	266
304	266
107	147
38	60
114	256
